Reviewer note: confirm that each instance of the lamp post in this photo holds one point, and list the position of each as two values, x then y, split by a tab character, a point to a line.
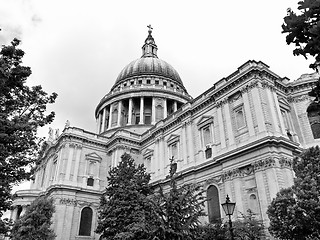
228	208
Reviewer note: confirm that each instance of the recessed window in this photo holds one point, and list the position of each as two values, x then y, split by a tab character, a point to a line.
90	181
208	152
164	83
173	150
85	222
156	82
132	82
213	204
172	85
239	117
140	81
148	81
125	84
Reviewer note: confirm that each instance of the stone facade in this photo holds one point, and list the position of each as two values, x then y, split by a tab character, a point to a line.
237	138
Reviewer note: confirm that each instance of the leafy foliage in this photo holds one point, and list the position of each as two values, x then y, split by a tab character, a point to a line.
179	210
35	223
248	227
125	211
293	210
22	111
303	29
245	228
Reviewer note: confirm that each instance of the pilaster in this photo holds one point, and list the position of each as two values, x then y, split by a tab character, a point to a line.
141	110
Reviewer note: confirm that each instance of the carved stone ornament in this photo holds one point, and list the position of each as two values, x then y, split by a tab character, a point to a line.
299	98
222	102
264	163
249	86
75	202
215	180
266	84
285	162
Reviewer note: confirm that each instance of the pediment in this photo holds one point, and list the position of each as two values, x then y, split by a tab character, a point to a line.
204	120
93	157
173	138
148	152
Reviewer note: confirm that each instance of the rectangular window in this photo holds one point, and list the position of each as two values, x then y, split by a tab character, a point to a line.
157	82
148	81
206	133
173	150
239	117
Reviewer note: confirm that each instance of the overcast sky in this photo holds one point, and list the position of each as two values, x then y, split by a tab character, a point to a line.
77	48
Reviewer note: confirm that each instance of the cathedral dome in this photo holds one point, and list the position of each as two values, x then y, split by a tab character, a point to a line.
149	65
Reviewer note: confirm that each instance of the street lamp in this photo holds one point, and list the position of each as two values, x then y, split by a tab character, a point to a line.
228	208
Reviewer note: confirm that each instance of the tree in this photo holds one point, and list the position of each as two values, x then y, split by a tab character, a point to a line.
178	211
303	30
22	111
35	223
248	227
125	211
295	212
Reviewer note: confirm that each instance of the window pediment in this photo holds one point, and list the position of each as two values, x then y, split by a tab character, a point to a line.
93	157
147	153
204	120
173	138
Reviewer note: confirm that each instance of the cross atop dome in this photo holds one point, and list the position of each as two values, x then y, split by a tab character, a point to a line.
149	49
150	28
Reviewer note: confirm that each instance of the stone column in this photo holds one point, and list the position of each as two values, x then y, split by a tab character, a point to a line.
258	109
184	143
141	110
119	113
69	162
153	111
229	124
59	163
175	106
99	123
272	110
276	102
221	128
190	141
110	116
103	120
165	114
248	114
77	163
130	112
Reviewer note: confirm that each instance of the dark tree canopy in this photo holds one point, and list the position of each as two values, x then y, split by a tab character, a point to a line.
22	111
35	223
295	212
125	211
303	30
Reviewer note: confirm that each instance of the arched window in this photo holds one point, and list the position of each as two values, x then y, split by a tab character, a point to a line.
213	204
253	203
314	119
85	222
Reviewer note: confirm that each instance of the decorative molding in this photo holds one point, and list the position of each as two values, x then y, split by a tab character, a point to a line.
285	162
266	84
249	86
216	180
299	98
264	163
222	102
75	202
